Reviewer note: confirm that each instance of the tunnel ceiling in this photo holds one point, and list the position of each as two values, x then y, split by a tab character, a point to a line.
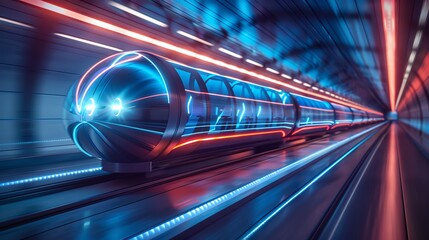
334	45
338	44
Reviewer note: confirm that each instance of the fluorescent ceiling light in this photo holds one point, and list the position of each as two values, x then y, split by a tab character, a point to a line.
272	70
315	88
230	53
286	76
15	22
307	85
88	42
254	63
137	14
297	81
190	36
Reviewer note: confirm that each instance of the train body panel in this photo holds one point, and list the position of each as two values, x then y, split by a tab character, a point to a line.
135	109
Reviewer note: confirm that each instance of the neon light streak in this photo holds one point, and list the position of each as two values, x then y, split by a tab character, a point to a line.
309	128
217	111
76	141
51	176
300	191
388	12
286	76
88	42
190	36
165	45
259	111
272	70
117	106
233	54
283	134
90	107
242	114
315	88
317	109
189	104
241	191
147	97
15	22
239	98
307	85
101	73
235	130
217	120
230	125
137	14
254	63
297	81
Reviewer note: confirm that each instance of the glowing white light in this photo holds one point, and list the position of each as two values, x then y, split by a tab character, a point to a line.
88	42
307	85
297	81
137	14
286	76
230	53
320	90
254	63
417	39
272	70
15	22
315	88
117	106
90	108
194	38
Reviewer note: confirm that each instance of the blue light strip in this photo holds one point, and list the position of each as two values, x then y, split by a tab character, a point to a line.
32	142
189	103
197	211
46	177
259	111
296	194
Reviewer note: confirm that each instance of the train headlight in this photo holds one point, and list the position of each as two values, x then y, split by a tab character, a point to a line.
117	106
90	107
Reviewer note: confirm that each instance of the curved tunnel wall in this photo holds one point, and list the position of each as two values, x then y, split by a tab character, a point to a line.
413	110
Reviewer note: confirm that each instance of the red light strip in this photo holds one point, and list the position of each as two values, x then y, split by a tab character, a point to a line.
317	109
240	98
311	127
283	133
147	97
156	42
388	9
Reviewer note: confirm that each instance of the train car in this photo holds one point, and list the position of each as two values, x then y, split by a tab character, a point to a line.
315	117
134	110
343	117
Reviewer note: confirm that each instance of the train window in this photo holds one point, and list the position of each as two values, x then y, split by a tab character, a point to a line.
222	105
263	107
245	105
282	109
196	101
314	112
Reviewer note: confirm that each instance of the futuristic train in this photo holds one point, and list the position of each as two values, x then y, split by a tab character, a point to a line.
135	110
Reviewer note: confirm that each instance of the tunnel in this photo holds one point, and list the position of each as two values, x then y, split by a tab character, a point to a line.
214	119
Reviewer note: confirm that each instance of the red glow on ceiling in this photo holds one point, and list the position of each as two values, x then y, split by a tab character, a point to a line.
183	51
388	10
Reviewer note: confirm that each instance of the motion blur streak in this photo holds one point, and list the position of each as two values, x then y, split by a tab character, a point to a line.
15	22
141	37
230	136
391	196
388	8
201	209
51	176
305	187
88	42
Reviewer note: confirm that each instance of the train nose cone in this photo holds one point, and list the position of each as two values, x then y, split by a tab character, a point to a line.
118	111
